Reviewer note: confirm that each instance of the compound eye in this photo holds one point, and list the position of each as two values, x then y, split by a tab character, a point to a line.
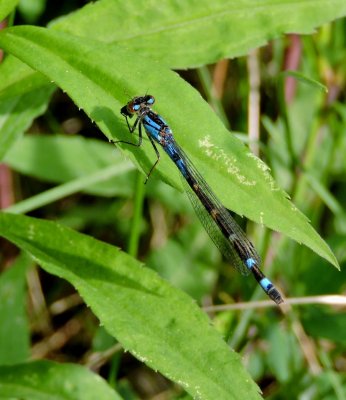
150	100
136	107
125	111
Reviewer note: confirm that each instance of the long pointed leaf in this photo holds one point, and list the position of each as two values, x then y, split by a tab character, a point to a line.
96	76
47	380
190	33
160	325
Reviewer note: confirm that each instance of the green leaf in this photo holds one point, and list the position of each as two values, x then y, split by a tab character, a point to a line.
6	6
14	327
157	323
333	327
305	79
193	33
17	114
18	78
47	380
186	34
66	189
85	70
59	159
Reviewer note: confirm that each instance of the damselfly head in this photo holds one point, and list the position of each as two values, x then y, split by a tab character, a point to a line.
136	104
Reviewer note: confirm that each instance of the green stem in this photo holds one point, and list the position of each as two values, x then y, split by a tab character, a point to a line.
137	215
66	189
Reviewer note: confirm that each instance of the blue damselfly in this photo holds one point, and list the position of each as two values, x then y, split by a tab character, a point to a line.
216	219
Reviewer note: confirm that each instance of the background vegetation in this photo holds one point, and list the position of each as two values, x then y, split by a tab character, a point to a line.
73	308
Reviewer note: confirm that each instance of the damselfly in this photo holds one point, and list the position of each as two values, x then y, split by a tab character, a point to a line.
216	219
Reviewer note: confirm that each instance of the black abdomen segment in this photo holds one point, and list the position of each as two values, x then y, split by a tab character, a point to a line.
245	250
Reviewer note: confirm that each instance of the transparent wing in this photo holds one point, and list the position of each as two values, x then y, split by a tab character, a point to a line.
236	247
